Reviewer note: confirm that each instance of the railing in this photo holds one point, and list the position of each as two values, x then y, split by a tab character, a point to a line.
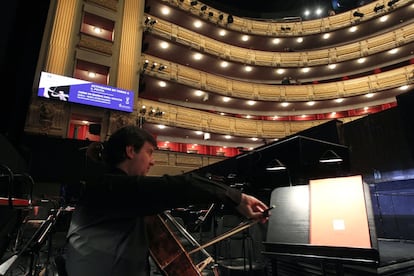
194	119
254	91
308	27
382	42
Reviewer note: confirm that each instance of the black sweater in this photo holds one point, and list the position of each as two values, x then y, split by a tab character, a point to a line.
107	234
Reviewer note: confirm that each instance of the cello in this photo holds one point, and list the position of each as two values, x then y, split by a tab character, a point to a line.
169	254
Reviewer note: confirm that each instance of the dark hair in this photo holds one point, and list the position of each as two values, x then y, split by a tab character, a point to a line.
126	136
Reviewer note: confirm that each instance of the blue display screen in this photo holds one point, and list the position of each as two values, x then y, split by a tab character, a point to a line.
72	90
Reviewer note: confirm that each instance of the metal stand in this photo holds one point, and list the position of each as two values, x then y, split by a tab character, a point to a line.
33	246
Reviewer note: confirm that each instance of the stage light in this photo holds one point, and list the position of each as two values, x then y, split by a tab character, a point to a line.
392	2
358	14
230	19
379	8
158	112
145	64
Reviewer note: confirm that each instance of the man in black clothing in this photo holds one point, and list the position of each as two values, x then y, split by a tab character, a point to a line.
107	234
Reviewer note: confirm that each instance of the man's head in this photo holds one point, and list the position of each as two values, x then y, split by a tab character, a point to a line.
130	148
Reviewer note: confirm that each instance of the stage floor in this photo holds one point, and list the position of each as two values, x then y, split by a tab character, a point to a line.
396	258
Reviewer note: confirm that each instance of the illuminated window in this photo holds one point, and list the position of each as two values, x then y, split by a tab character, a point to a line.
98	26
93	72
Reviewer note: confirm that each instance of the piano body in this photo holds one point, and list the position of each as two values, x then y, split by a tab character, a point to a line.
285	242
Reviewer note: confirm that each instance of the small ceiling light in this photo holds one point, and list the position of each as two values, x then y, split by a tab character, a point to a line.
353	29
361	60
299	40
339	100
197	56
326	36
404	87
393	51
305	70
197	24
165	11
222	32
245	38
248	68
280	71
207	136
251	103
164	45
92	74
383	18
224	64
369	95
226	99
97	30
311	103
198	93
227	136
161	126
285	104
162	84
332	66
318	12
276	40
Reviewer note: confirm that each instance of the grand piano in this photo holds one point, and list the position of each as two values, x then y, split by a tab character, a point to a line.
288	245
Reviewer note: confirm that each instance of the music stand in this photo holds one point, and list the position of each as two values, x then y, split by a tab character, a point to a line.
316	223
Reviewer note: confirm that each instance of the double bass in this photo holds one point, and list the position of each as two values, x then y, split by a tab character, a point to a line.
169	254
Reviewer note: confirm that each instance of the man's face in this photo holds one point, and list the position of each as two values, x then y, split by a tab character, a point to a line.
142	161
